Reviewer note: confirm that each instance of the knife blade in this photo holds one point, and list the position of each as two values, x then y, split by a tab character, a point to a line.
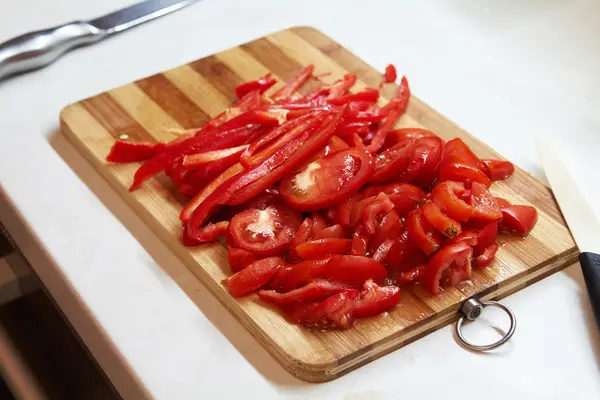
38	49
580	218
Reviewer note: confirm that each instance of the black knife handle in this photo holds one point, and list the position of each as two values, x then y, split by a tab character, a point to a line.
590	266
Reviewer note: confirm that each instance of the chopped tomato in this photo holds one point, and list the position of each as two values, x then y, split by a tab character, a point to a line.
422	233
399	135
399	252
389	228
411	275
445	196
264	232
502	203
315	290
440	221
375	299
486	237
338	309
519	219
360	241
487	256
320	248
239	259
498	169
469	237
404	196
456	259
457	152
374	211
465	173
343	213
390	75
390	164
382	251
333	231
254	276
424	166
319	224
327	181
484	203
302	235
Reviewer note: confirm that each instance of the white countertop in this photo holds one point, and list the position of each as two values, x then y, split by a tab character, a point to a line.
506	71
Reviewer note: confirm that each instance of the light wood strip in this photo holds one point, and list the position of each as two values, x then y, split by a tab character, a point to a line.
218	74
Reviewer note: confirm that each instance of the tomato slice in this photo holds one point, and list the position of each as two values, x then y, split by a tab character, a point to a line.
425	164
302	235
484	203
414	274
456	258
499	169
333	231
375	299
399	135
371	217
315	290
422	233
404	196
320	248
319	224
399	252
206	234
502	203
239	259
456	151
486	237
254	276
469	237
519	219
343	213
389	228
335	144
392	162
360	241
337	310
464	173
486	257
382	251
445	196
440	221
264	232
327	181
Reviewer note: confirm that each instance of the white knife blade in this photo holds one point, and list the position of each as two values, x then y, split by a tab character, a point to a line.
580	217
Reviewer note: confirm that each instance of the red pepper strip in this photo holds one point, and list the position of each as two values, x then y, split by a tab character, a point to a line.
284	133
368	94
261	84
188	189
366	116
196	160
213	186
342	86
124	152
239	259
208	172
178	172
232	133
334	231
390	75
300	150
207	234
294	84
318	289
355	131
250	101
254	276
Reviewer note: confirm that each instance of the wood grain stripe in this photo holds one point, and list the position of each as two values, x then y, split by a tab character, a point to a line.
173	101
209	99
115	119
218	74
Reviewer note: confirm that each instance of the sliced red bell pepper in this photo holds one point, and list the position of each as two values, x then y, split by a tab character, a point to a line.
123	151
302	235
366	95
341	87
375	299
200	159
294	84
262	85
254	276
333	231
206	234
203	176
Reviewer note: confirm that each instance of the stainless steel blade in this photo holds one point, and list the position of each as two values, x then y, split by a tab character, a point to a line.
137	14
580	217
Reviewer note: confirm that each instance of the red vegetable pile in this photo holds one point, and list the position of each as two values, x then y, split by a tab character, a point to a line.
327	209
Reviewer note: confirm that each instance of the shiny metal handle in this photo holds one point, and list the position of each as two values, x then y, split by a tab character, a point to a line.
37	49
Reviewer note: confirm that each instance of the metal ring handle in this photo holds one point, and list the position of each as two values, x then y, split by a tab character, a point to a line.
472	309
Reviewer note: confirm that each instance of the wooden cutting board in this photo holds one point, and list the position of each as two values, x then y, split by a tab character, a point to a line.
187	96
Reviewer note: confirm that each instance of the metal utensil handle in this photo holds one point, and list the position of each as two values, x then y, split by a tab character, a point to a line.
37	49
471	310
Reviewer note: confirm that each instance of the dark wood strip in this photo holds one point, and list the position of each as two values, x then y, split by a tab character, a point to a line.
278	62
6	246
173	101
115	119
218	74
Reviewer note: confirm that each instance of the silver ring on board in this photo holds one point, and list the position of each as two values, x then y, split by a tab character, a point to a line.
470	310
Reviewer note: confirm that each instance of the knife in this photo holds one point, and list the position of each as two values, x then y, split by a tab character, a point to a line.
37	49
584	226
